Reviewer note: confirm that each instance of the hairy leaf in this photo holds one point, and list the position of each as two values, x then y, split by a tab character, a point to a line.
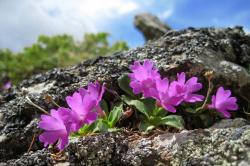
146	126
145	106
114	115
173	121
123	82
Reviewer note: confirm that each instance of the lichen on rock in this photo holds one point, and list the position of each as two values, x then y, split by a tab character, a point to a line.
194	51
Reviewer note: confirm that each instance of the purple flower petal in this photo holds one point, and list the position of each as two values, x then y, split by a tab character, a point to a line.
63	141
166	94
181	77
7	85
148	64
48	138
162	84
192	84
225	113
85	105
96	91
83	91
223	103
50	123
56	126
91	117
192	98
75	102
135	65
187	89
169	108
143	77
136	86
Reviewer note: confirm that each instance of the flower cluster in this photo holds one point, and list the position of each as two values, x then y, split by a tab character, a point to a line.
84	105
145	79
84	109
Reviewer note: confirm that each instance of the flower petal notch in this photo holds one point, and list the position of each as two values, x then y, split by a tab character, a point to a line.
85	105
143	77
166	95
187	89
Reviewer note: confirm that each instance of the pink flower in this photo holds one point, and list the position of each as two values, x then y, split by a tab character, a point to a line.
85	105
222	102
56	126
7	85
143	77
84	109
165	95
186	89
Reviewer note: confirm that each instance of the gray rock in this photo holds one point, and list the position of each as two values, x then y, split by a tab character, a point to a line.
194	51
224	146
150	26
230	123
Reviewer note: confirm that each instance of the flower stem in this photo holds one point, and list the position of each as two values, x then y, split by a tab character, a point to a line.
247	112
210	87
33	104
32	142
49	98
55	103
119	97
208	93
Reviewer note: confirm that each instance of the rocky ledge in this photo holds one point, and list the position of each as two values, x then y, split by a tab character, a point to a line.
194	51
225	143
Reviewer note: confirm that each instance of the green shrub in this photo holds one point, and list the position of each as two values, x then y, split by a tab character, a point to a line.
54	51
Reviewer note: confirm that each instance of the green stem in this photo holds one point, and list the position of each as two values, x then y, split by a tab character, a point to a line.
55	103
246	112
199	110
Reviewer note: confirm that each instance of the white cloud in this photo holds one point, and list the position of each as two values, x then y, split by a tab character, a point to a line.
22	22
170	6
166	14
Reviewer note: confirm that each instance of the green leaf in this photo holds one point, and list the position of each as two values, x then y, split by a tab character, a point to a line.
86	129
145	106
114	115
150	104
191	110
161	112
104	106
75	135
123	82
114	129
173	121
101	126
146	126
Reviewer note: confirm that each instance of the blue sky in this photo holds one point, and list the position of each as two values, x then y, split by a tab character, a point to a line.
23	22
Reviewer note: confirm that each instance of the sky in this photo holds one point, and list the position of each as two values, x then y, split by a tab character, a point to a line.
23	21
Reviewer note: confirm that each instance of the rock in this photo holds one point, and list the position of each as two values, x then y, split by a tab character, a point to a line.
230	123
150	26
193	51
223	146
